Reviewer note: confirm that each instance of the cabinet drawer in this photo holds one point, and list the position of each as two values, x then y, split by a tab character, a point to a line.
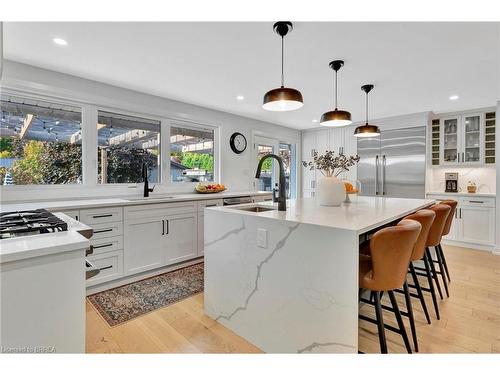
105	230
162	209
110	265
105	245
209	203
74	214
101	215
478	202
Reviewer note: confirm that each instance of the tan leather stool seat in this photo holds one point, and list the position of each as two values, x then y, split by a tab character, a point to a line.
453	205
391	250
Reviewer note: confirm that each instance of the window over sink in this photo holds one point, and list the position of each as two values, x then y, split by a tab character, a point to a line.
124	144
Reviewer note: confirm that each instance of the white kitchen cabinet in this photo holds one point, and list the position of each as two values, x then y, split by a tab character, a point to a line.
474	221
144	244
340	140
181	237
462	139
477	225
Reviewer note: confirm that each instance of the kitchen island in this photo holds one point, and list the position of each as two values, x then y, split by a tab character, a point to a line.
287	281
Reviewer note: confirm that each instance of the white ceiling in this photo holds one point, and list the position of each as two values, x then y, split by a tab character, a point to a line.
414	66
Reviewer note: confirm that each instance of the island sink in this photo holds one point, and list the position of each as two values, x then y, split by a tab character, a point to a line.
255	209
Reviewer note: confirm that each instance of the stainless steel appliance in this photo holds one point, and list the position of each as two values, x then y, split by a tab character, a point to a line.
393	164
451	182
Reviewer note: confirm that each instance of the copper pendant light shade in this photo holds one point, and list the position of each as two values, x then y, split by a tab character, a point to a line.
282	98
367	130
337	117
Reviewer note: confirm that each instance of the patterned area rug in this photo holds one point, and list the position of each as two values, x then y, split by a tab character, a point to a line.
126	302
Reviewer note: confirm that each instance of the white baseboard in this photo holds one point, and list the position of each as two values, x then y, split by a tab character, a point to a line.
140	276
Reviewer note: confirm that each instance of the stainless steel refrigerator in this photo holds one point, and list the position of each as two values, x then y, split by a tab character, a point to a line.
393	164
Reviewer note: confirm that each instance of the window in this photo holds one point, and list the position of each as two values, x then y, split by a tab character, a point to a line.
191	154
40	143
125	143
286	153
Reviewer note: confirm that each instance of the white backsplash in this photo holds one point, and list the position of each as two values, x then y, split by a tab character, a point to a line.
484	177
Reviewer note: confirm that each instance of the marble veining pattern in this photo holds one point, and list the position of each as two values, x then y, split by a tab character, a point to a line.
278	246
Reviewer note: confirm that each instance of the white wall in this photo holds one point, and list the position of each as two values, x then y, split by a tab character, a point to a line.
237	171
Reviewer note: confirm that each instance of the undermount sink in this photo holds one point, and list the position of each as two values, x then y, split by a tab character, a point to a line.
150	198
255	209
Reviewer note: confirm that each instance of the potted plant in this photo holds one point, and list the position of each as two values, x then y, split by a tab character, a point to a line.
330	189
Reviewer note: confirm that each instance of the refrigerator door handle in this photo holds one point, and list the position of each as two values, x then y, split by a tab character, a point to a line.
383	174
376	175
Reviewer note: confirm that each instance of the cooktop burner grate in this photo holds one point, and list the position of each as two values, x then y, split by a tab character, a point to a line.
26	223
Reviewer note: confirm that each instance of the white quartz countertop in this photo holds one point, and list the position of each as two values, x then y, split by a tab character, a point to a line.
122	201
41	244
362	215
18	248
462	194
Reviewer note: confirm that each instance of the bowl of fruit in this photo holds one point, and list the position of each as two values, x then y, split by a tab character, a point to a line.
209	188
351	187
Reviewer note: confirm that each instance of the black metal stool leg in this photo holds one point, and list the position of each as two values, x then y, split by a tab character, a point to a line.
399	319
409	309
380	324
444	262
431	286
420	293
442	271
434	273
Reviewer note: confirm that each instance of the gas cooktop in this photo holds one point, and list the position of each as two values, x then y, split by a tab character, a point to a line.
27	223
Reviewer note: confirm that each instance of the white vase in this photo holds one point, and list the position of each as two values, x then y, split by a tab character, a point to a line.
330	191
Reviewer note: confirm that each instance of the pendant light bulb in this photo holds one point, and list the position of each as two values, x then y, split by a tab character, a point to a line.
367	130
337	117
282	98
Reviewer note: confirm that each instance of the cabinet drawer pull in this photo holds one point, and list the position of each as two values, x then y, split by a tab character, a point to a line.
460	213
105	268
100	246
163	227
103	230
476	201
211	205
168	226
99	216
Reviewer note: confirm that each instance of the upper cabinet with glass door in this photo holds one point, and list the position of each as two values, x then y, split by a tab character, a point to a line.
462	140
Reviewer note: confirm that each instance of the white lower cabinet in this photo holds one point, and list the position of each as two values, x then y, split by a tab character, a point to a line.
477	225
181	237
110	265
159	235
144	244
474	221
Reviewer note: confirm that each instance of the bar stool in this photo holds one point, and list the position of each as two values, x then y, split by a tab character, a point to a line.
453	204
385	270
425	218
435	233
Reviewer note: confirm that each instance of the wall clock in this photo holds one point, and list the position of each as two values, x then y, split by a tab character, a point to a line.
238	143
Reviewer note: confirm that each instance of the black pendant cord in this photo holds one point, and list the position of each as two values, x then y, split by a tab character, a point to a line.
366	108
282	53
336	86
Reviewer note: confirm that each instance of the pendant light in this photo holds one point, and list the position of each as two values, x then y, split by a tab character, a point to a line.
336	117
282	98
366	130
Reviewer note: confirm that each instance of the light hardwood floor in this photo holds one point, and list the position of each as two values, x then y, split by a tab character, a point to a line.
470	320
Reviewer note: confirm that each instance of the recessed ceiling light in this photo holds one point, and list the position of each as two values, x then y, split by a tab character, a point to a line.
454	97
315	120
240	97
60	42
